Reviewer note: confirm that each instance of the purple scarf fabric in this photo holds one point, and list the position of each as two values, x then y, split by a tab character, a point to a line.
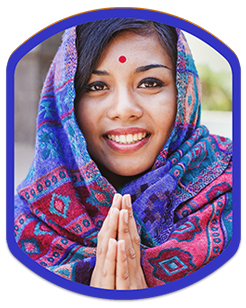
183	207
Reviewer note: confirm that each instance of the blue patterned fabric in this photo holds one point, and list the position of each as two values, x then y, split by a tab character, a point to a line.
182	207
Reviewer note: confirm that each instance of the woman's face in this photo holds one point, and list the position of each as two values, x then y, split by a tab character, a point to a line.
128	109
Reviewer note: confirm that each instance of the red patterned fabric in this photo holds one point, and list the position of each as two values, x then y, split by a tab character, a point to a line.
183	207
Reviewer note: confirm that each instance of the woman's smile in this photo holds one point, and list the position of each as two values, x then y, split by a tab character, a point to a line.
128	107
127	140
117	228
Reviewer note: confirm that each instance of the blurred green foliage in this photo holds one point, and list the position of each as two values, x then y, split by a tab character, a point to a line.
216	89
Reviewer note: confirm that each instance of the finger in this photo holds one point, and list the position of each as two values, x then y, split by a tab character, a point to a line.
117	201
110	224
109	231
122	273
109	269
127	204
123	234
111	221
116	205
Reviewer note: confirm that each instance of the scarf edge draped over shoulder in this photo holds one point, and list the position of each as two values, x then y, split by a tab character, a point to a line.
182	207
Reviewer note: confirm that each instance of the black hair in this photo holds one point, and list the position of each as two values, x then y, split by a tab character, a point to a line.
93	37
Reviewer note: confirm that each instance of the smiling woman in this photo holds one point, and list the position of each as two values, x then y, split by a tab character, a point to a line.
127	190
128	130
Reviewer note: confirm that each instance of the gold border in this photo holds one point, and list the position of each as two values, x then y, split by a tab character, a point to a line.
106	8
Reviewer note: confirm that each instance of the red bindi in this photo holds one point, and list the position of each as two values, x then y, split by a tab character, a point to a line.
122	59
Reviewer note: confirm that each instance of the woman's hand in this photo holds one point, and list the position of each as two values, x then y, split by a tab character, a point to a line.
118	262
129	273
103	275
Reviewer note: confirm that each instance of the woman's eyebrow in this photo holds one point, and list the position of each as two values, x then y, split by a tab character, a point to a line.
138	70
148	67
100	73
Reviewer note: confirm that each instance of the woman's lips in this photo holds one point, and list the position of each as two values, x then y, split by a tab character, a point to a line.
127	140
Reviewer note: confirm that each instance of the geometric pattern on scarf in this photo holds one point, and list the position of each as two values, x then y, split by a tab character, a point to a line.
183	207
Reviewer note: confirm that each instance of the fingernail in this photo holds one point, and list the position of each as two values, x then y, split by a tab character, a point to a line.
116	197
125	216
122	244
128	201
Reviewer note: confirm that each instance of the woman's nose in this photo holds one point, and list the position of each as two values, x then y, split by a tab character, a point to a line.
124	106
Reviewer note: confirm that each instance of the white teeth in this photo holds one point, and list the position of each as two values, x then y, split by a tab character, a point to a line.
122	139
127	139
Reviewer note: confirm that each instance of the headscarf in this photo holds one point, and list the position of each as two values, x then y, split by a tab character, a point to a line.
182	207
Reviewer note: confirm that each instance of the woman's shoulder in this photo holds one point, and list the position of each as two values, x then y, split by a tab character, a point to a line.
221	143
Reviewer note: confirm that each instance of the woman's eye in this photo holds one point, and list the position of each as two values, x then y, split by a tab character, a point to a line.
96	86
150	83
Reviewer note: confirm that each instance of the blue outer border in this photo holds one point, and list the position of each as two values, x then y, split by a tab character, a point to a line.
159	17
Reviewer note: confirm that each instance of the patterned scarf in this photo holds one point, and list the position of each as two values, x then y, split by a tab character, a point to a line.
182	207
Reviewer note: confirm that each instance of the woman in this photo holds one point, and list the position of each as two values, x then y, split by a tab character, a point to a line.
127	190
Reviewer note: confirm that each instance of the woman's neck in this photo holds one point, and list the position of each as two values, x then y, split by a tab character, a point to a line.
118	181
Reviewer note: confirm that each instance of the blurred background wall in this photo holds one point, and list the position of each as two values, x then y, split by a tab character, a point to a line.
30	74
213	69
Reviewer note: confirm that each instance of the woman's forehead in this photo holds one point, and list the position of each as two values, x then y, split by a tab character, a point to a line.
132	47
